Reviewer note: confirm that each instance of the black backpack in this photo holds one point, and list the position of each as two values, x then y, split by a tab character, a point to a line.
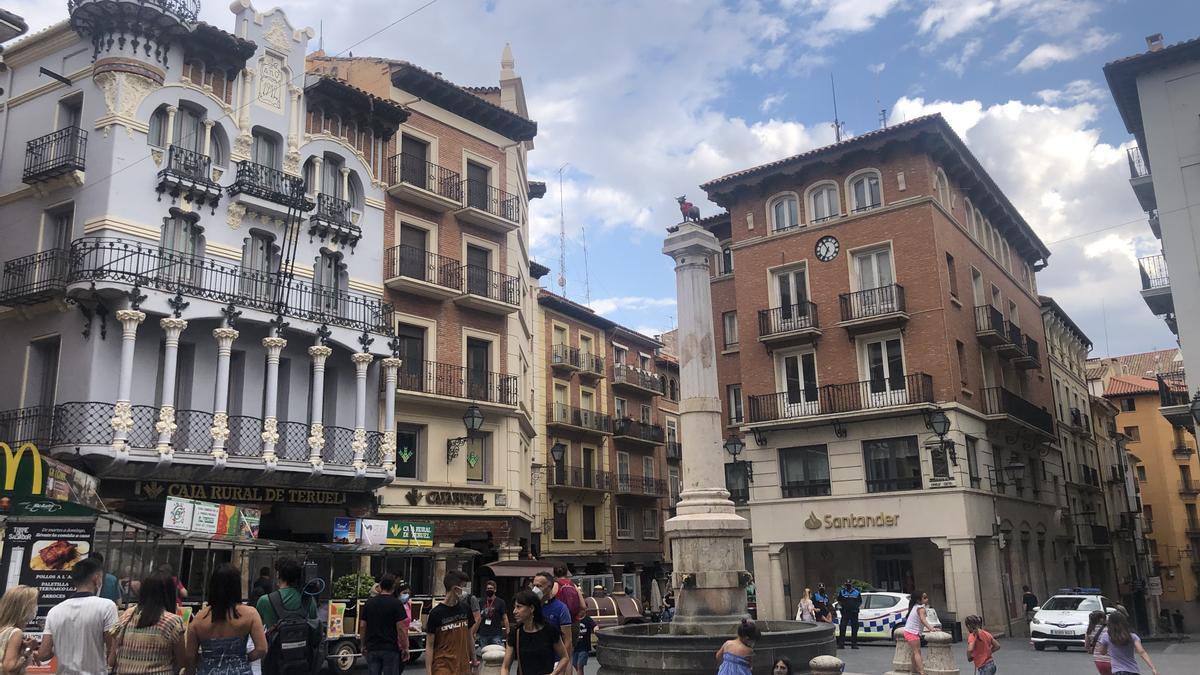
294	642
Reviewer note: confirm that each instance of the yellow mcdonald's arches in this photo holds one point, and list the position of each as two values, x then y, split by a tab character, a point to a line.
12	462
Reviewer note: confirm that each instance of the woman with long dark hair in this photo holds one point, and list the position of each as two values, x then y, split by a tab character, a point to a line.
536	646
149	638
1097	622
782	667
217	636
915	624
734	656
1122	645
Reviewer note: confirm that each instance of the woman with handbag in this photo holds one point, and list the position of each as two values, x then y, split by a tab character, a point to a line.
149	637
17	609
536	646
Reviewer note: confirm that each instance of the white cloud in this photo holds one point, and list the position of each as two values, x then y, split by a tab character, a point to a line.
946	19
958	64
771	102
876	68
1076	91
630	303
1050	53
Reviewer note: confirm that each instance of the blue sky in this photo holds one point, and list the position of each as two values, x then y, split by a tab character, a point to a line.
645	99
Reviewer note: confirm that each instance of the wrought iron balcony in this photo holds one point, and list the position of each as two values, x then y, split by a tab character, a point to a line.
592	366
1189	488
628	484
562	476
490	207
188	175
186	11
579	419
35	278
493	285
264	182
1182	452
149	266
425	183
1140	179
1156	284
787	323
674	451
333	221
565	357
447	379
54	154
913	388
419	271
874	305
643	381
805	488
1138	168
629	429
1030	356
1000	401
989	326
1173	391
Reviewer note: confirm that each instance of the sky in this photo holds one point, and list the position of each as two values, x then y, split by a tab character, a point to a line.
639	101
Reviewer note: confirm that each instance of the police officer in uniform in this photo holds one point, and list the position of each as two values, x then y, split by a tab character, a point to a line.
849	601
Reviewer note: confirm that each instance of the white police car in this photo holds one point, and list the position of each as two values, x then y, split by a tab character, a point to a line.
1063	619
881	612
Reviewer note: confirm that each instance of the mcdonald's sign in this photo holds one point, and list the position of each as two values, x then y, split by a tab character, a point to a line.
34	484
12	470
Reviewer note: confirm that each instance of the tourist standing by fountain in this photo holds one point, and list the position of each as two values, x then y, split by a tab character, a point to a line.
733	658
806	611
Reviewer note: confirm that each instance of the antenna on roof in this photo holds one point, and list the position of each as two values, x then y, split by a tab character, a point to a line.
321	37
587	280
562	235
882	110
837	124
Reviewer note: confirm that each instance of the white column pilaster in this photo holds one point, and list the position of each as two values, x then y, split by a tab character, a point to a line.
390	367
779	610
122	419
220	426
165	426
345	183
317	161
316	430
270	433
207	145
359	444
171	110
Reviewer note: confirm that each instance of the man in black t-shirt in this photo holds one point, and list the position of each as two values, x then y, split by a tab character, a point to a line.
493	617
382	630
449	649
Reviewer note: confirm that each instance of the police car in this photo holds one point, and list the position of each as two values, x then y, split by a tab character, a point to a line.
882	612
1063	619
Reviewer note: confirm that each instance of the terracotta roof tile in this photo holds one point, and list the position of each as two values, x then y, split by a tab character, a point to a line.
1161	361
1124	385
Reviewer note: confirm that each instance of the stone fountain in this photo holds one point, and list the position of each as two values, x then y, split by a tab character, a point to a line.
707	535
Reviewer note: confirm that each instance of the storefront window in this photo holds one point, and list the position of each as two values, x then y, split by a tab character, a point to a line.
804	471
478	457
892	464
408	443
737	482
973	460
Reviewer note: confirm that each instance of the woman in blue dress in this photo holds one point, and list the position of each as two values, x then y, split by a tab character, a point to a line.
218	634
733	658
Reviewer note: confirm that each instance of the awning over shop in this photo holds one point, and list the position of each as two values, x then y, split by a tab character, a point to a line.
521	568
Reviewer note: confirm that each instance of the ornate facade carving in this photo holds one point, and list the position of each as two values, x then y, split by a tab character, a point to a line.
316	439
270	434
220	427
278	36
122	419
123	93
234	214
272	82
166	420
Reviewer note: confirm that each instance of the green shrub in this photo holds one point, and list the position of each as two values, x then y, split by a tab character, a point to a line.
353	586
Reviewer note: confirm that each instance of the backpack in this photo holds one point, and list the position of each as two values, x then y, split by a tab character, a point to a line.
570	597
294	642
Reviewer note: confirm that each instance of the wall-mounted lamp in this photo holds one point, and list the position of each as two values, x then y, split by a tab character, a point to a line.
839	428
473	422
760	437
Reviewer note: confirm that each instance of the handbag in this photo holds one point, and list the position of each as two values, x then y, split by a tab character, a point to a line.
518	650
120	641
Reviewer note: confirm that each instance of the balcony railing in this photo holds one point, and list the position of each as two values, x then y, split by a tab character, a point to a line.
988	319
1015	336
1000	401
1182	452
493	200
89	424
872	302
842	398
631	375
495	285
628	484
415	171
264	182
188	164
1032	349
416	263
777	320
55	154
186	11
1153	270
149	266
674	450
1172	389
35	278
628	427
578	477
446	379
805	488
1137	166
566	356
1189	488
592	364
332	220
581	418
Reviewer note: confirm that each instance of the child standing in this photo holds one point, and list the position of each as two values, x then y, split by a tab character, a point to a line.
980	646
583	645
734	656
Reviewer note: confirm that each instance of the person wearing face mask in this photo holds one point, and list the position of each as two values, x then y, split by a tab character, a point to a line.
493	617
553	609
448	646
404	594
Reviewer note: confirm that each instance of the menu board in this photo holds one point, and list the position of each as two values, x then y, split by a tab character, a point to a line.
42	555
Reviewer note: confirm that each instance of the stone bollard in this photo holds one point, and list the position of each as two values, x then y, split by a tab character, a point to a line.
826	665
902	657
493	658
939	659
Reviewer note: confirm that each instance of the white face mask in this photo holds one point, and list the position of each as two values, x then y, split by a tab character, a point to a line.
466	589
538	592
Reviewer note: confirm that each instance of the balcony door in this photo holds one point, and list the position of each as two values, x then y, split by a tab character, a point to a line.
189	124
589	467
798	373
414	153
414	245
478	369
587	404
477	185
412	355
180	246
478	270
873	270
792	289
257	266
561	401
883	362
265	151
328	282
331	177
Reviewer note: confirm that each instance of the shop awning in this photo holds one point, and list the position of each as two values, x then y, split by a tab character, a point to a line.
521	568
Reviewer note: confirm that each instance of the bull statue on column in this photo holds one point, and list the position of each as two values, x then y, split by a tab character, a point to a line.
689	210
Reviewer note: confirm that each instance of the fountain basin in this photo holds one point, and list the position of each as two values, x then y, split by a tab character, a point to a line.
654	649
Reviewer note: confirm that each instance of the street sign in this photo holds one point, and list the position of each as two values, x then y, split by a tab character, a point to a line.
1154	586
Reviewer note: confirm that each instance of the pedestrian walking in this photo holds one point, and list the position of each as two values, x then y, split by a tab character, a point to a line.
806	611
218	635
733	658
148	640
1097	622
384	634
17	608
1030	601
1122	645
849	601
536	643
110	588
782	667
583	646
78	628
980	646
404	593
570	596
493	617
916	623
449	649
289	620
553	609
821	604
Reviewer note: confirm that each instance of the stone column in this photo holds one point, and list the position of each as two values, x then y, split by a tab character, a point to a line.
316	430
206	146
779	608
171	110
965	572
165	426
220	426
361	361
317	161
707	534
901	657
388	447
345	183
122	419
270	433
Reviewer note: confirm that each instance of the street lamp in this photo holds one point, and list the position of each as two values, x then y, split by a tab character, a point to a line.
558	451
1014	470
560	507
473	421
939	423
734	446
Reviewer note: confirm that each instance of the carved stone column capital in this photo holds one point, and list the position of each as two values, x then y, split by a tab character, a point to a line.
362	358
133	316
274	343
225	334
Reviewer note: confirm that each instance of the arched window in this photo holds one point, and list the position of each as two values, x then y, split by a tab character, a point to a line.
354	191
968	217
978	231
158	127
865	191
942	188
823	203
785	212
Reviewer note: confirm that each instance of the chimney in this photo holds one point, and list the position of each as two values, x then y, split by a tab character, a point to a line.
1154	43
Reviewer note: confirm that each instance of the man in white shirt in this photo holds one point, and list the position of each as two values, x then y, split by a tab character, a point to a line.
78	628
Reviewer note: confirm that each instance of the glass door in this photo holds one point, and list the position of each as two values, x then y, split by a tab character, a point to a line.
478	356
792	288
799	375
478	270
414	154
412	355
885	372
413	246
874	275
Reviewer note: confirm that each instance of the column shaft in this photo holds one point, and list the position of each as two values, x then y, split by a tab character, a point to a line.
166	406
361	361
122	419
316	434
220	425
270	433
388	449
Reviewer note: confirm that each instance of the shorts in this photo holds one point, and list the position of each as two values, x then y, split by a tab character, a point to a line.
988	668
911	636
579	659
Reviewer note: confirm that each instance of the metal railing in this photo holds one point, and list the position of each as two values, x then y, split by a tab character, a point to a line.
805	488
1138	168
626	374
334	210
628	484
185	10
493	200
33	278
1000	401
446	379
122	260
259	180
23	425
415	171
188	164
989	319
1153	270
579	417
54	154
592	364
842	398
1015	336
1189	488
488	283
1076	417
560	475
893	484
788	318
674	450
1172	389
332	219
627	427
872	302
415	263
565	355
1032	350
